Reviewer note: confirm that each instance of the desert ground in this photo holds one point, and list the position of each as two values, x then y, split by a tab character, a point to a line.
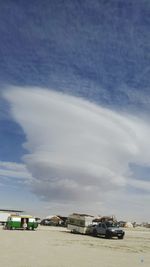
56	247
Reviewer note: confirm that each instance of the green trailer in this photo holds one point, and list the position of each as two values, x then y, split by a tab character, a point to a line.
25	222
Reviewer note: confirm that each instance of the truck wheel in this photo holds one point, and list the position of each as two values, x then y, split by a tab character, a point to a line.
120	237
108	235
94	232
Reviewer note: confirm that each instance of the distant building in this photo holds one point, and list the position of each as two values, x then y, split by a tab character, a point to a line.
54	220
104	219
128	225
5	213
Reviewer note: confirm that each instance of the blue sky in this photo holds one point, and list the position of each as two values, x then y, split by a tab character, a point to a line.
74	107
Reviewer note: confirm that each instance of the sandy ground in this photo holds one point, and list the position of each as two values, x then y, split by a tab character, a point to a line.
55	247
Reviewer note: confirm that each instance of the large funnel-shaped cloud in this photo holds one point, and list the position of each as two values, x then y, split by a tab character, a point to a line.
76	149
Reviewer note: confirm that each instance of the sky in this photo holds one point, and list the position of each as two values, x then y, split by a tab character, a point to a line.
75	106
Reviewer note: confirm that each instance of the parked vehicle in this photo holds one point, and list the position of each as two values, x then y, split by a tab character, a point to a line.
79	223
108	229
25	222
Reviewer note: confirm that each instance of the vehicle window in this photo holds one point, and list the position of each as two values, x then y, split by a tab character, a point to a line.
111	224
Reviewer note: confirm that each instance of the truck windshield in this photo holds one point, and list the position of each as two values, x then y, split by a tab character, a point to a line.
111	224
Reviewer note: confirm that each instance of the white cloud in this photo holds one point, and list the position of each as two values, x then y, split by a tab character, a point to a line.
77	150
13	170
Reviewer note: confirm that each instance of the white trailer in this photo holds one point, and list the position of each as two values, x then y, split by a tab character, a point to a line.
4	216
79	223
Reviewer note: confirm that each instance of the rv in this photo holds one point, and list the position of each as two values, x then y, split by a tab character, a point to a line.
25	222
79	223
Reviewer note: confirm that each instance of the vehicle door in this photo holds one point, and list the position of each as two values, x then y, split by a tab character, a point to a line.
99	228
103	228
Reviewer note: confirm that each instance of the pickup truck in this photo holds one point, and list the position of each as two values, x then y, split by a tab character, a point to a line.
107	229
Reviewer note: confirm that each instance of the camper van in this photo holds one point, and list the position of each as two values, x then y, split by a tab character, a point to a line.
25	222
79	223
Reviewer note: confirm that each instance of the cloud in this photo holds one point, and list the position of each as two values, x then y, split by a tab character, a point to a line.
12	171
77	150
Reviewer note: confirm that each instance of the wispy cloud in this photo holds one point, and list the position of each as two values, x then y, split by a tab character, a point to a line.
14	172
77	150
